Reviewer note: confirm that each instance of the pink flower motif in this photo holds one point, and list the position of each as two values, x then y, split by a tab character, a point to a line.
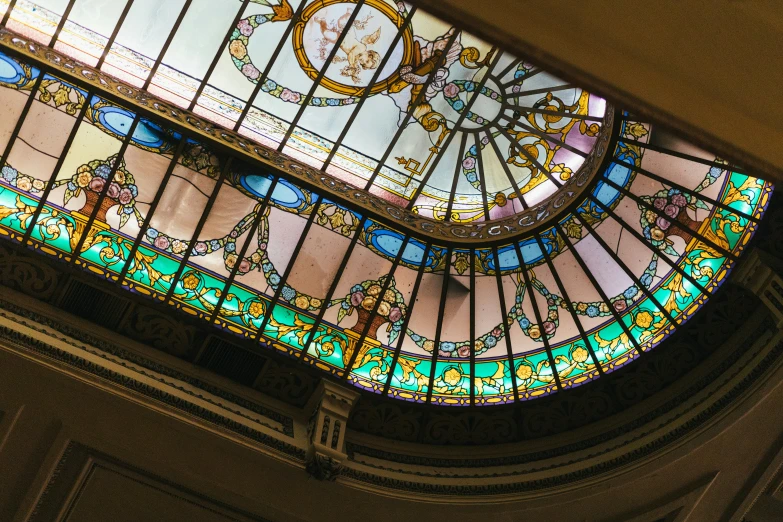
289	96
484	140
262	246
250	71
662	223
244	266
450	90
494	96
125	196
659	203
200	247
516	88
679	200
357	298
114	190
444	354
549	327
245	28
671	211
469	163
496	333
395	314
97	183
620	305
161	242
348	101
464	351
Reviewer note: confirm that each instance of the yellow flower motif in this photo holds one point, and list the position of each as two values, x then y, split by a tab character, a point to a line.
255	309
580	355
374	290
428	345
534	331
452	376
119	177
315	303
256	257
478	346
231	259
190	282
83	179
582	307
657	234
643	319
650	216
524	372
302	302
368	303
384	308
23	183
636	130
83	168
237	49
389	296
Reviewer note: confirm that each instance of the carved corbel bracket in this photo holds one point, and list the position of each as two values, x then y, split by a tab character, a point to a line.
331	405
760	273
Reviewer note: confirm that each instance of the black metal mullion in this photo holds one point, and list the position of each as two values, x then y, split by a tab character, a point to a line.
321	73
61	23
439	328
215	60
77	251
333	288
481	174
268	69
528	128
546	112
514	62
543	90
472	326
105	53
262	206
23	116
366	93
166	45
450	137
409	114
53	179
457	168
153	207
693	193
660	213
504	322
537	313
292	261
507	171
644	241
406	321
199	226
375	307
569	304
515	145
682	155
598	288
7	14
519	81
625	269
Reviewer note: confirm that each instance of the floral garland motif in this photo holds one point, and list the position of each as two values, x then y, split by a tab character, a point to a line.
237	48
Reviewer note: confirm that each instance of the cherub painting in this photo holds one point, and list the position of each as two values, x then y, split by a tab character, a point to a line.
356	49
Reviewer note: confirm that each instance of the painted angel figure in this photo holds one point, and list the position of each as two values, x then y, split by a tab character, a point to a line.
356	49
426	56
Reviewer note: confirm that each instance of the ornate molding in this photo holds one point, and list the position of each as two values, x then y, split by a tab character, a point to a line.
471	234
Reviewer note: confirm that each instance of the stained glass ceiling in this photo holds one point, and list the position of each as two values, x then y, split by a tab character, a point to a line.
619	231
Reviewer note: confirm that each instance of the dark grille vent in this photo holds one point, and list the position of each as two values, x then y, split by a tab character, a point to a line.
93	304
229	360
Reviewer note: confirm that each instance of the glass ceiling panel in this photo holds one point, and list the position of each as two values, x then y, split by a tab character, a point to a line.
403	105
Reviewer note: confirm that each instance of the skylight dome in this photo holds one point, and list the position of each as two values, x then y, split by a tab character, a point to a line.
447	223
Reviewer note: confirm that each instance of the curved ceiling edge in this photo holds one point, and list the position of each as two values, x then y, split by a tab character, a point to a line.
479	234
